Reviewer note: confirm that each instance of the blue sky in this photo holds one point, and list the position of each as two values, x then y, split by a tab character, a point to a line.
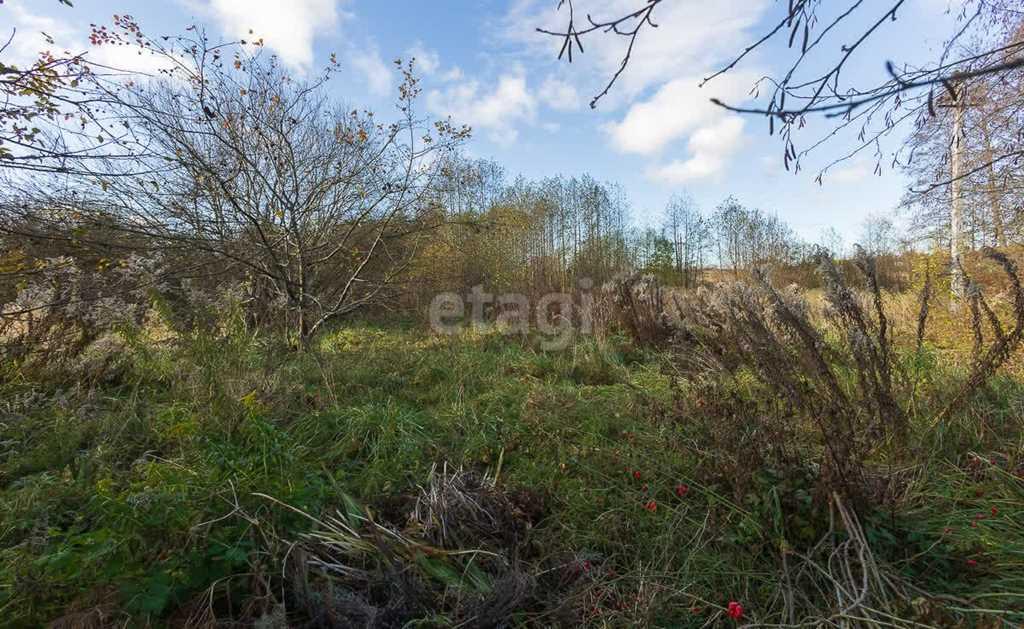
484	64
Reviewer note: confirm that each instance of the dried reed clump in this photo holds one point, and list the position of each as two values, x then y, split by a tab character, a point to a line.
868	342
840	374
740	330
60	308
840	582
988	360
638	304
459	508
457	557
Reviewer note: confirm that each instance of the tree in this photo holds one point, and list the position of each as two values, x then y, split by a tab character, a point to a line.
50	117
814	82
750	238
319	208
988	149
659	259
879	236
690	235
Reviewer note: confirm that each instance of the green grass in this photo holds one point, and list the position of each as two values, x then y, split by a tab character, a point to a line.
139	495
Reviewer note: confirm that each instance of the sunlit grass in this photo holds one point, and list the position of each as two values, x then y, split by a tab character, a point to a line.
131	495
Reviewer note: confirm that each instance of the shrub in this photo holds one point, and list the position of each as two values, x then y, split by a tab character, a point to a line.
774	367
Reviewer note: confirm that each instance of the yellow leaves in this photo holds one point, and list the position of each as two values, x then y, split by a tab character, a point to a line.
251	402
105	487
182	430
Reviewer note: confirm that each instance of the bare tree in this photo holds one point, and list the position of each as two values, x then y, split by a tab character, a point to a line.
815	80
319	207
690	235
968	154
749	238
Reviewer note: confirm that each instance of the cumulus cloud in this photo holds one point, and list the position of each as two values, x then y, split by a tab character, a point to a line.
29	41
679	108
710	148
497	109
289	28
559	95
427	60
377	74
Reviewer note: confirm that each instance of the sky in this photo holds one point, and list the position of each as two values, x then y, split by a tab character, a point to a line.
483	63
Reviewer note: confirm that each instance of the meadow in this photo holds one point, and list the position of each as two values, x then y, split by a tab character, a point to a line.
280	347
392	477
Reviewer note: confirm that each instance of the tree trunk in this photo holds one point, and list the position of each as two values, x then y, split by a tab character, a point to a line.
958	284
998	231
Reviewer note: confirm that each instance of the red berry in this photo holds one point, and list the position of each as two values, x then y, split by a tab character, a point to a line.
734	610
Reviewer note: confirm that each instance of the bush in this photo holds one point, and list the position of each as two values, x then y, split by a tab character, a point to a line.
774	369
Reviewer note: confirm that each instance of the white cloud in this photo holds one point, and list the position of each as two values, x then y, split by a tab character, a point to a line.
850	173
709	147
289	28
375	71
497	109
29	40
691	37
132	60
427	60
455	74
559	95
677	110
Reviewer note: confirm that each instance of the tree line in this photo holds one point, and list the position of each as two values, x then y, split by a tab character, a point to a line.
222	174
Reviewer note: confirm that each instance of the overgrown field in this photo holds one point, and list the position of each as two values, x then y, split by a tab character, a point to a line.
389	477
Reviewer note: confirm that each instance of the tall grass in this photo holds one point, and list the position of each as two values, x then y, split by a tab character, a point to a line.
222	479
